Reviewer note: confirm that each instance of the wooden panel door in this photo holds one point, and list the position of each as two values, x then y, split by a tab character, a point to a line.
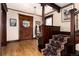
25	32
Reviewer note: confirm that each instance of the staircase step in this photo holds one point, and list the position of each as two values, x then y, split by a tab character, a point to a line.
46	45
50	40
51	48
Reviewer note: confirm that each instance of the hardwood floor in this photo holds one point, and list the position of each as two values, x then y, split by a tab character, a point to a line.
22	48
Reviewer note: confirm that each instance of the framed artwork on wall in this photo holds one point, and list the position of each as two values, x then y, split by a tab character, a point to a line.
37	22
13	22
65	14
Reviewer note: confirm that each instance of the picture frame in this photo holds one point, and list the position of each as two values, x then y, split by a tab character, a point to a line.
37	22
65	14
13	22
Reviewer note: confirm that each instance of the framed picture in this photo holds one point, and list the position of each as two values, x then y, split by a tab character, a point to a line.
37	22
13	22
65	15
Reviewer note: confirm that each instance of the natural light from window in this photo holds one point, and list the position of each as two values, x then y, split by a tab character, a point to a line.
49	21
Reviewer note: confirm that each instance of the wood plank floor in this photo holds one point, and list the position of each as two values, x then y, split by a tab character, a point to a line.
22	48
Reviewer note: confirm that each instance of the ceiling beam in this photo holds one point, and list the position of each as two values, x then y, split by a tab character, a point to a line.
53	5
43	4
67	5
4	7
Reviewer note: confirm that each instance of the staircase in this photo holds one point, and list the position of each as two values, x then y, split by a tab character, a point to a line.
55	46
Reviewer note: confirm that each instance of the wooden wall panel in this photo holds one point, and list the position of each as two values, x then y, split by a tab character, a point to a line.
49	31
72	33
76	39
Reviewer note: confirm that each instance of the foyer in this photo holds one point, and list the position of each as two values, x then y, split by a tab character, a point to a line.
39	29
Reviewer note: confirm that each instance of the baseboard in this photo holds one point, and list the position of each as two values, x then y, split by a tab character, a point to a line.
17	40
34	38
64	32
13	41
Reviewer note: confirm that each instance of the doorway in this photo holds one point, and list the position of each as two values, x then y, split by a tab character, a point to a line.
25	27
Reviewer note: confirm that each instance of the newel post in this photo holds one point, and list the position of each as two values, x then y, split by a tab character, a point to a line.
72	33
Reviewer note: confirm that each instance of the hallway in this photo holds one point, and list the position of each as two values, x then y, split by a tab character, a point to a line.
22	48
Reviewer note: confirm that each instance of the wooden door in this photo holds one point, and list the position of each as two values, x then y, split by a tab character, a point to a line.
26	27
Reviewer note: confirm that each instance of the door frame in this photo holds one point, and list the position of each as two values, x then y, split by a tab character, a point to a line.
19	25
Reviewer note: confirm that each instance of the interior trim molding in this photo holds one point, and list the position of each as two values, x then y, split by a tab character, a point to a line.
24	12
49	12
18	40
34	38
13	41
67	5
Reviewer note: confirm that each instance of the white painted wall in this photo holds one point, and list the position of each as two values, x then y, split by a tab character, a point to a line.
13	32
57	21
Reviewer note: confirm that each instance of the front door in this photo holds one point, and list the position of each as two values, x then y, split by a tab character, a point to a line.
26	27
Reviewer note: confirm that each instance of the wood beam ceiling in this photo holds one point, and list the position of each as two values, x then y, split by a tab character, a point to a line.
53	5
4	7
68	5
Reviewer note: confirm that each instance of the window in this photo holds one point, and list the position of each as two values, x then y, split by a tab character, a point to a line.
49	20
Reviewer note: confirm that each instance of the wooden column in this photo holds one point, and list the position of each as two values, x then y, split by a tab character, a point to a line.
3	10
0	29
43	14
3	23
72	34
43	22
41	39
